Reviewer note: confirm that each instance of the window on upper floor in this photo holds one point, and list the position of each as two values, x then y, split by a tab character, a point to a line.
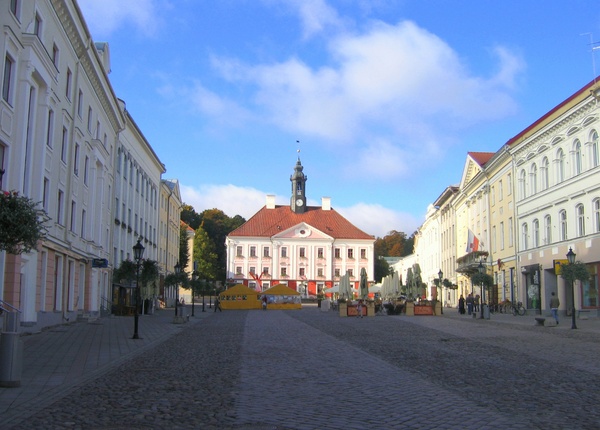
302	252
266	251
350	253
283	271
363	253
501	235
7	79
80	104
510	233
83	215
533	179
253	251
337	253
284	251
547	230
55	53
524	236
60	201
545	174
522	184
76	160
320	253
64	145
50	128
500	191
580	220
535	233
68	84
336	273
577	161
15	8
597	215
560	166
37	25
594	149
562	215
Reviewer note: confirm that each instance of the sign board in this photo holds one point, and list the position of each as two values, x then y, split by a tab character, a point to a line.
558	266
99	262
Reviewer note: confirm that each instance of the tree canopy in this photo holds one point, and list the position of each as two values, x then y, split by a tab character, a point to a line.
394	244
21	224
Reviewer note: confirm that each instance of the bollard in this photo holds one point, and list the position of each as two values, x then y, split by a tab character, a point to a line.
11	352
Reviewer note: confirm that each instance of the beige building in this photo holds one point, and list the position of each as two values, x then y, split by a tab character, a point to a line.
168	239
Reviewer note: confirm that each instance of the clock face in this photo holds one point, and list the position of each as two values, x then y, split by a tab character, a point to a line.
299	202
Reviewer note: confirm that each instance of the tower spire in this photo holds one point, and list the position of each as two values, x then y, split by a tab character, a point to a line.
298	179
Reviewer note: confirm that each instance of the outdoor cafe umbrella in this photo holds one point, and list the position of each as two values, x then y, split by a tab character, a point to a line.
364	286
344	286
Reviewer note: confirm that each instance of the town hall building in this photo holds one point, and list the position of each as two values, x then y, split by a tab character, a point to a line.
307	248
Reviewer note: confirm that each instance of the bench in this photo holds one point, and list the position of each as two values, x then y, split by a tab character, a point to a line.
539	320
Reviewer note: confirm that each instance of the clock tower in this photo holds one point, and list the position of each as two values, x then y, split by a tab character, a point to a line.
298	199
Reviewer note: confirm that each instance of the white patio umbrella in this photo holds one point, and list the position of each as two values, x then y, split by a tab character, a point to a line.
345	288
376	288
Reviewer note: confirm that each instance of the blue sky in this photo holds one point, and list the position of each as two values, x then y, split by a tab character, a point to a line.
385	97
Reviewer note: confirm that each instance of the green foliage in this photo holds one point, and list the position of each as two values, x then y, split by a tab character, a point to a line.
149	273
190	217
125	273
205	254
482	278
184	249
394	244
21	224
382	269
575	272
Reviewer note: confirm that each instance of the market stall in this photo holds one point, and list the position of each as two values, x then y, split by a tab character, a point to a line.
239	297
282	297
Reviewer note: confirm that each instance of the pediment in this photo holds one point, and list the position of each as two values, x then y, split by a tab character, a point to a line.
302	231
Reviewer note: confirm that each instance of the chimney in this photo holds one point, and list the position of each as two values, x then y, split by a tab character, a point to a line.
326	203
270	201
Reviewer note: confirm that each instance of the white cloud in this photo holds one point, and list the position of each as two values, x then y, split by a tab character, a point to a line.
398	84
376	220
104	17
245	201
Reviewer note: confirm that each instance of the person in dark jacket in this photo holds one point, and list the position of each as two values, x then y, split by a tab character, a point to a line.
461	305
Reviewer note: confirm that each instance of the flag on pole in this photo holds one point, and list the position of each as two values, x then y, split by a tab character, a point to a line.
472	242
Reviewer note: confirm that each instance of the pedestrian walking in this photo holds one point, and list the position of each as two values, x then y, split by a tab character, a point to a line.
359	308
461	305
470	304
476	303
218	304
264	303
554	304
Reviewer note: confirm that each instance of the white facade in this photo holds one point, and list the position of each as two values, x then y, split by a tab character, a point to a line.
63	137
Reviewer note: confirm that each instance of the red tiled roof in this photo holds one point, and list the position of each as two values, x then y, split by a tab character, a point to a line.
481	157
269	222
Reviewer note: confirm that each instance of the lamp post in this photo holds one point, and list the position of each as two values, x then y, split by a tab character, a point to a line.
177	272
571	257
440	276
138	253
193	289
203	293
481	269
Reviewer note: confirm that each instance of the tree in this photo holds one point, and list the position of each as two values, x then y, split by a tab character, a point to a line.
205	255
382	268
217	226
574	272
149	273
190	217
184	249
126	272
21	223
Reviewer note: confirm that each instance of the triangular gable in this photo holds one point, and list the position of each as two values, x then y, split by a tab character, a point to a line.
281	290
302	231
474	165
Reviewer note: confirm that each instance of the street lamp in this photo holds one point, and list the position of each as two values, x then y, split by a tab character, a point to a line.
193	289
177	272
440	276
138	253
481	269
571	257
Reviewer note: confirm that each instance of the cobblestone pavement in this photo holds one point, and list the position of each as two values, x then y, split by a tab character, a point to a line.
309	369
